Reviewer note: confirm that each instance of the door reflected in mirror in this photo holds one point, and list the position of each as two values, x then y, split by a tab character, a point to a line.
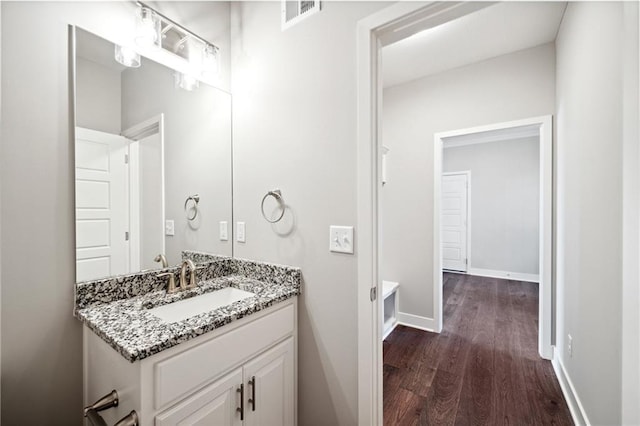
152	164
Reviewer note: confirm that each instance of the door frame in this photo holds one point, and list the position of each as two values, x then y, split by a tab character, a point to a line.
136	132
545	257
467	173
384	27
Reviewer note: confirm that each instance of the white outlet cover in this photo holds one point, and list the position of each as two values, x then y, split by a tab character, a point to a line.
224	231
169	227
241	232
341	239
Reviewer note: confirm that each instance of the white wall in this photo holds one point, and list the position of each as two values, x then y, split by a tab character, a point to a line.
197	149
509	87
294	128
97	97
41	341
589	204
504	207
631	218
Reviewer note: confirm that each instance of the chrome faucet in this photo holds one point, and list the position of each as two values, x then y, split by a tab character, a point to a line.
161	258
171	287
183	275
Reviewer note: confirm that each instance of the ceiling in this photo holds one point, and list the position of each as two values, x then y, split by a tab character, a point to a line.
496	30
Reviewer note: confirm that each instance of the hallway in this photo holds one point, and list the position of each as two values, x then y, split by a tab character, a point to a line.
483	368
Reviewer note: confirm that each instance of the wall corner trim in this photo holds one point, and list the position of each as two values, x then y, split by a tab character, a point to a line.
416	321
569	391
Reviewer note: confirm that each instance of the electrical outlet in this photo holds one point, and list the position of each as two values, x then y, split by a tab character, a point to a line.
241	233
570	345
224	233
169	227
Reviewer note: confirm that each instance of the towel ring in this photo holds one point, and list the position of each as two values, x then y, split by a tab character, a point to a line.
195	199
277	194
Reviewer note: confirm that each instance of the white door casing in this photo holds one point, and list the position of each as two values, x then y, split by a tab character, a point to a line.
454	221
101	205
545	288
146	192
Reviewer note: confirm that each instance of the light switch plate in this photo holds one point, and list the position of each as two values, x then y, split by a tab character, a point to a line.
169	227
241	237
224	231
341	239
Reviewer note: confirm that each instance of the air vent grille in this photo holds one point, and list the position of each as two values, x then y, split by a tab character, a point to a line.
297	10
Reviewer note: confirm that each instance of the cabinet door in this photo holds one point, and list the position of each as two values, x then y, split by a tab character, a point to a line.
216	405
269	383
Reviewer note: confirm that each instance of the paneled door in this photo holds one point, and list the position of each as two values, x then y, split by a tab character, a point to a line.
102	207
455	187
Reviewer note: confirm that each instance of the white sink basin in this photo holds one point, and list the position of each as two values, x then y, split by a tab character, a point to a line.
178	311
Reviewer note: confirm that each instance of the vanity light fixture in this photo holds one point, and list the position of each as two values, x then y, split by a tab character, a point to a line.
155	29
127	56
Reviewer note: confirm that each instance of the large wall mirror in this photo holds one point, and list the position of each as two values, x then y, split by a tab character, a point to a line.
152	163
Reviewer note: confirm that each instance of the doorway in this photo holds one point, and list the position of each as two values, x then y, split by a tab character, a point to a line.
542	127
388	26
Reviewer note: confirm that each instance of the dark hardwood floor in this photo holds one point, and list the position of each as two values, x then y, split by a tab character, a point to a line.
483	368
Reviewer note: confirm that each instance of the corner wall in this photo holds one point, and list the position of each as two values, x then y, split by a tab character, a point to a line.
589	99
509	87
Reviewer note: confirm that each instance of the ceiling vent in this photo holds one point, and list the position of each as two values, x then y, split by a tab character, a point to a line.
295	11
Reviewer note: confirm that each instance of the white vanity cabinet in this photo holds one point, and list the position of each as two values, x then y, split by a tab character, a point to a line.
259	393
248	365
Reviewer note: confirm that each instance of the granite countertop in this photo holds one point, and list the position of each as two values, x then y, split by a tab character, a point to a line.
136	334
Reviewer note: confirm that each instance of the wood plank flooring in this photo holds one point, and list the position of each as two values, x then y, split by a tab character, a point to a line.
483	369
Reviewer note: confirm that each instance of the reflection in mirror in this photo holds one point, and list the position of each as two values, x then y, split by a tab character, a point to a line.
153	164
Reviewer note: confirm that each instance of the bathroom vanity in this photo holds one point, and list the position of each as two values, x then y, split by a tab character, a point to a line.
234	364
154	188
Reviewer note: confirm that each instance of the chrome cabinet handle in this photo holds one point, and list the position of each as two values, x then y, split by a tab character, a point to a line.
241	408
252	400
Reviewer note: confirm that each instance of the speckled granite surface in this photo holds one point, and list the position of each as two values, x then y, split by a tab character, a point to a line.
117	309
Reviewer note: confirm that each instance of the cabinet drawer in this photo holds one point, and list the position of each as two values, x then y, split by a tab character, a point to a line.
185	372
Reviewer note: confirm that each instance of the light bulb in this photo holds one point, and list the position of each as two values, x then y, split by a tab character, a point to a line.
127	56
186	82
210	62
147	28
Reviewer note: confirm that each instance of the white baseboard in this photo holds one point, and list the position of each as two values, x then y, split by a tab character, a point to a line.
415	321
570	394
517	276
387	328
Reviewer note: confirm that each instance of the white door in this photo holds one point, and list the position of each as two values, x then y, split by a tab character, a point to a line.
455	187
102	207
269	383
215	405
